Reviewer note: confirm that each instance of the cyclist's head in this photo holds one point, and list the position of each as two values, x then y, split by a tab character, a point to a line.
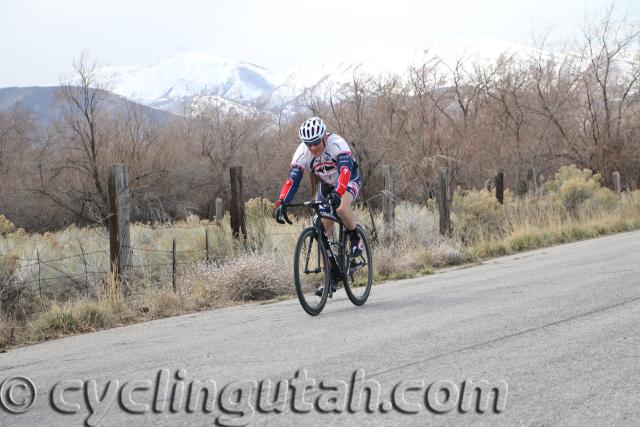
312	131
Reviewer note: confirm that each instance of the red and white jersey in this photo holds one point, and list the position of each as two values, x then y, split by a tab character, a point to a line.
324	167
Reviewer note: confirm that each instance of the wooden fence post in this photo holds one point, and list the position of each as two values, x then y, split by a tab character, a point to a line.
389	204
533	177
219	210
616	182
119	224
206	244
39	284
86	274
173	266
444	202
500	187
238	223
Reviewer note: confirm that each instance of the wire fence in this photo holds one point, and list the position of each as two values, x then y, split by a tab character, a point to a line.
30	267
84	272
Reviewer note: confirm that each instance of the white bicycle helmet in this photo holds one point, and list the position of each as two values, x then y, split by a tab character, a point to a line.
312	131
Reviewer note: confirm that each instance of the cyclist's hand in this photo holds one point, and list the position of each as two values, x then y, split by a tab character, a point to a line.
334	199
277	213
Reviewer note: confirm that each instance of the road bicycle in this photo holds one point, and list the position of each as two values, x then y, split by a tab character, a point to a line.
320	263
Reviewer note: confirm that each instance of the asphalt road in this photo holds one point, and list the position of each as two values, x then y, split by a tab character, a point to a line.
556	331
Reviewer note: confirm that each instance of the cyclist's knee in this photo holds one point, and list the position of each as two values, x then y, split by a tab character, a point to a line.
343	210
345	206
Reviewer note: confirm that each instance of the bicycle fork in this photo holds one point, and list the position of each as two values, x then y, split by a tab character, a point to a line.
318	268
323	244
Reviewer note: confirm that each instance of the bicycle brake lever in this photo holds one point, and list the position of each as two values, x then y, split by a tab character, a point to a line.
286	218
277	218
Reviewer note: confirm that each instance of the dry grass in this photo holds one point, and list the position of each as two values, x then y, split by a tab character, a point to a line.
109	309
577	209
409	258
248	277
574	206
399	261
7	329
72	317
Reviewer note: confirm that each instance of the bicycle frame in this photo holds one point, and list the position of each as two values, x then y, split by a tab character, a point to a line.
336	260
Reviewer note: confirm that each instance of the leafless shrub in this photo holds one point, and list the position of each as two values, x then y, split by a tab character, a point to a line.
248	277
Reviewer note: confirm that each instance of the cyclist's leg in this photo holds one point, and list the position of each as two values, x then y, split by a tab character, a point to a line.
321	196
345	211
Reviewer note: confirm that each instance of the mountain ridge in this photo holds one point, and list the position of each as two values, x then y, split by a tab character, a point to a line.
171	84
43	104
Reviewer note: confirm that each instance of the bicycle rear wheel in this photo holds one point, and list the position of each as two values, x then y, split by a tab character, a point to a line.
359	270
310	272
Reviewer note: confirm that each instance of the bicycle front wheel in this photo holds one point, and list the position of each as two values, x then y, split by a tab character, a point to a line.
359	271
310	272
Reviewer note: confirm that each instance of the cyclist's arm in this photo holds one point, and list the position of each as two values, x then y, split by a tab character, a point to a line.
291	185
345	167
339	149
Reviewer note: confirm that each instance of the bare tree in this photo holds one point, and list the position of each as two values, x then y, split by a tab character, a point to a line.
17	132
97	129
220	131
74	181
554	84
608	82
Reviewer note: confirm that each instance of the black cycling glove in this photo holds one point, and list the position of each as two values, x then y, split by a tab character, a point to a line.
334	199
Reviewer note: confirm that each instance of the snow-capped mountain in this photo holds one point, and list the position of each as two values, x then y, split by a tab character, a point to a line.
201	103
172	83
327	79
191	82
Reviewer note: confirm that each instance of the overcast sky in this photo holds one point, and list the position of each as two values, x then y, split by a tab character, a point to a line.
39	39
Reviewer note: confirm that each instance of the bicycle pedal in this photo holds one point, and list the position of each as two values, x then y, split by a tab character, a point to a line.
332	289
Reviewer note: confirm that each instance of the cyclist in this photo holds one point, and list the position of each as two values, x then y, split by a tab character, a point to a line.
329	158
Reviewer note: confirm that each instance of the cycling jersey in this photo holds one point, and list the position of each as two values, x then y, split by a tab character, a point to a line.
334	160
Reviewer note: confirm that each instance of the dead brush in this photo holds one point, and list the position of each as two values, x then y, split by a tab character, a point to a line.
249	277
7	332
58	319
444	251
400	259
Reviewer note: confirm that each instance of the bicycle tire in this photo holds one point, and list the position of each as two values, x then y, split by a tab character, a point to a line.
359	297
305	289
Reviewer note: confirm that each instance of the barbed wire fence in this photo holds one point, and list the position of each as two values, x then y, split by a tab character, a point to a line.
84	271
144	263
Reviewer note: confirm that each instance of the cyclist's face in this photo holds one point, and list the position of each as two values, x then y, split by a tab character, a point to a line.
316	150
